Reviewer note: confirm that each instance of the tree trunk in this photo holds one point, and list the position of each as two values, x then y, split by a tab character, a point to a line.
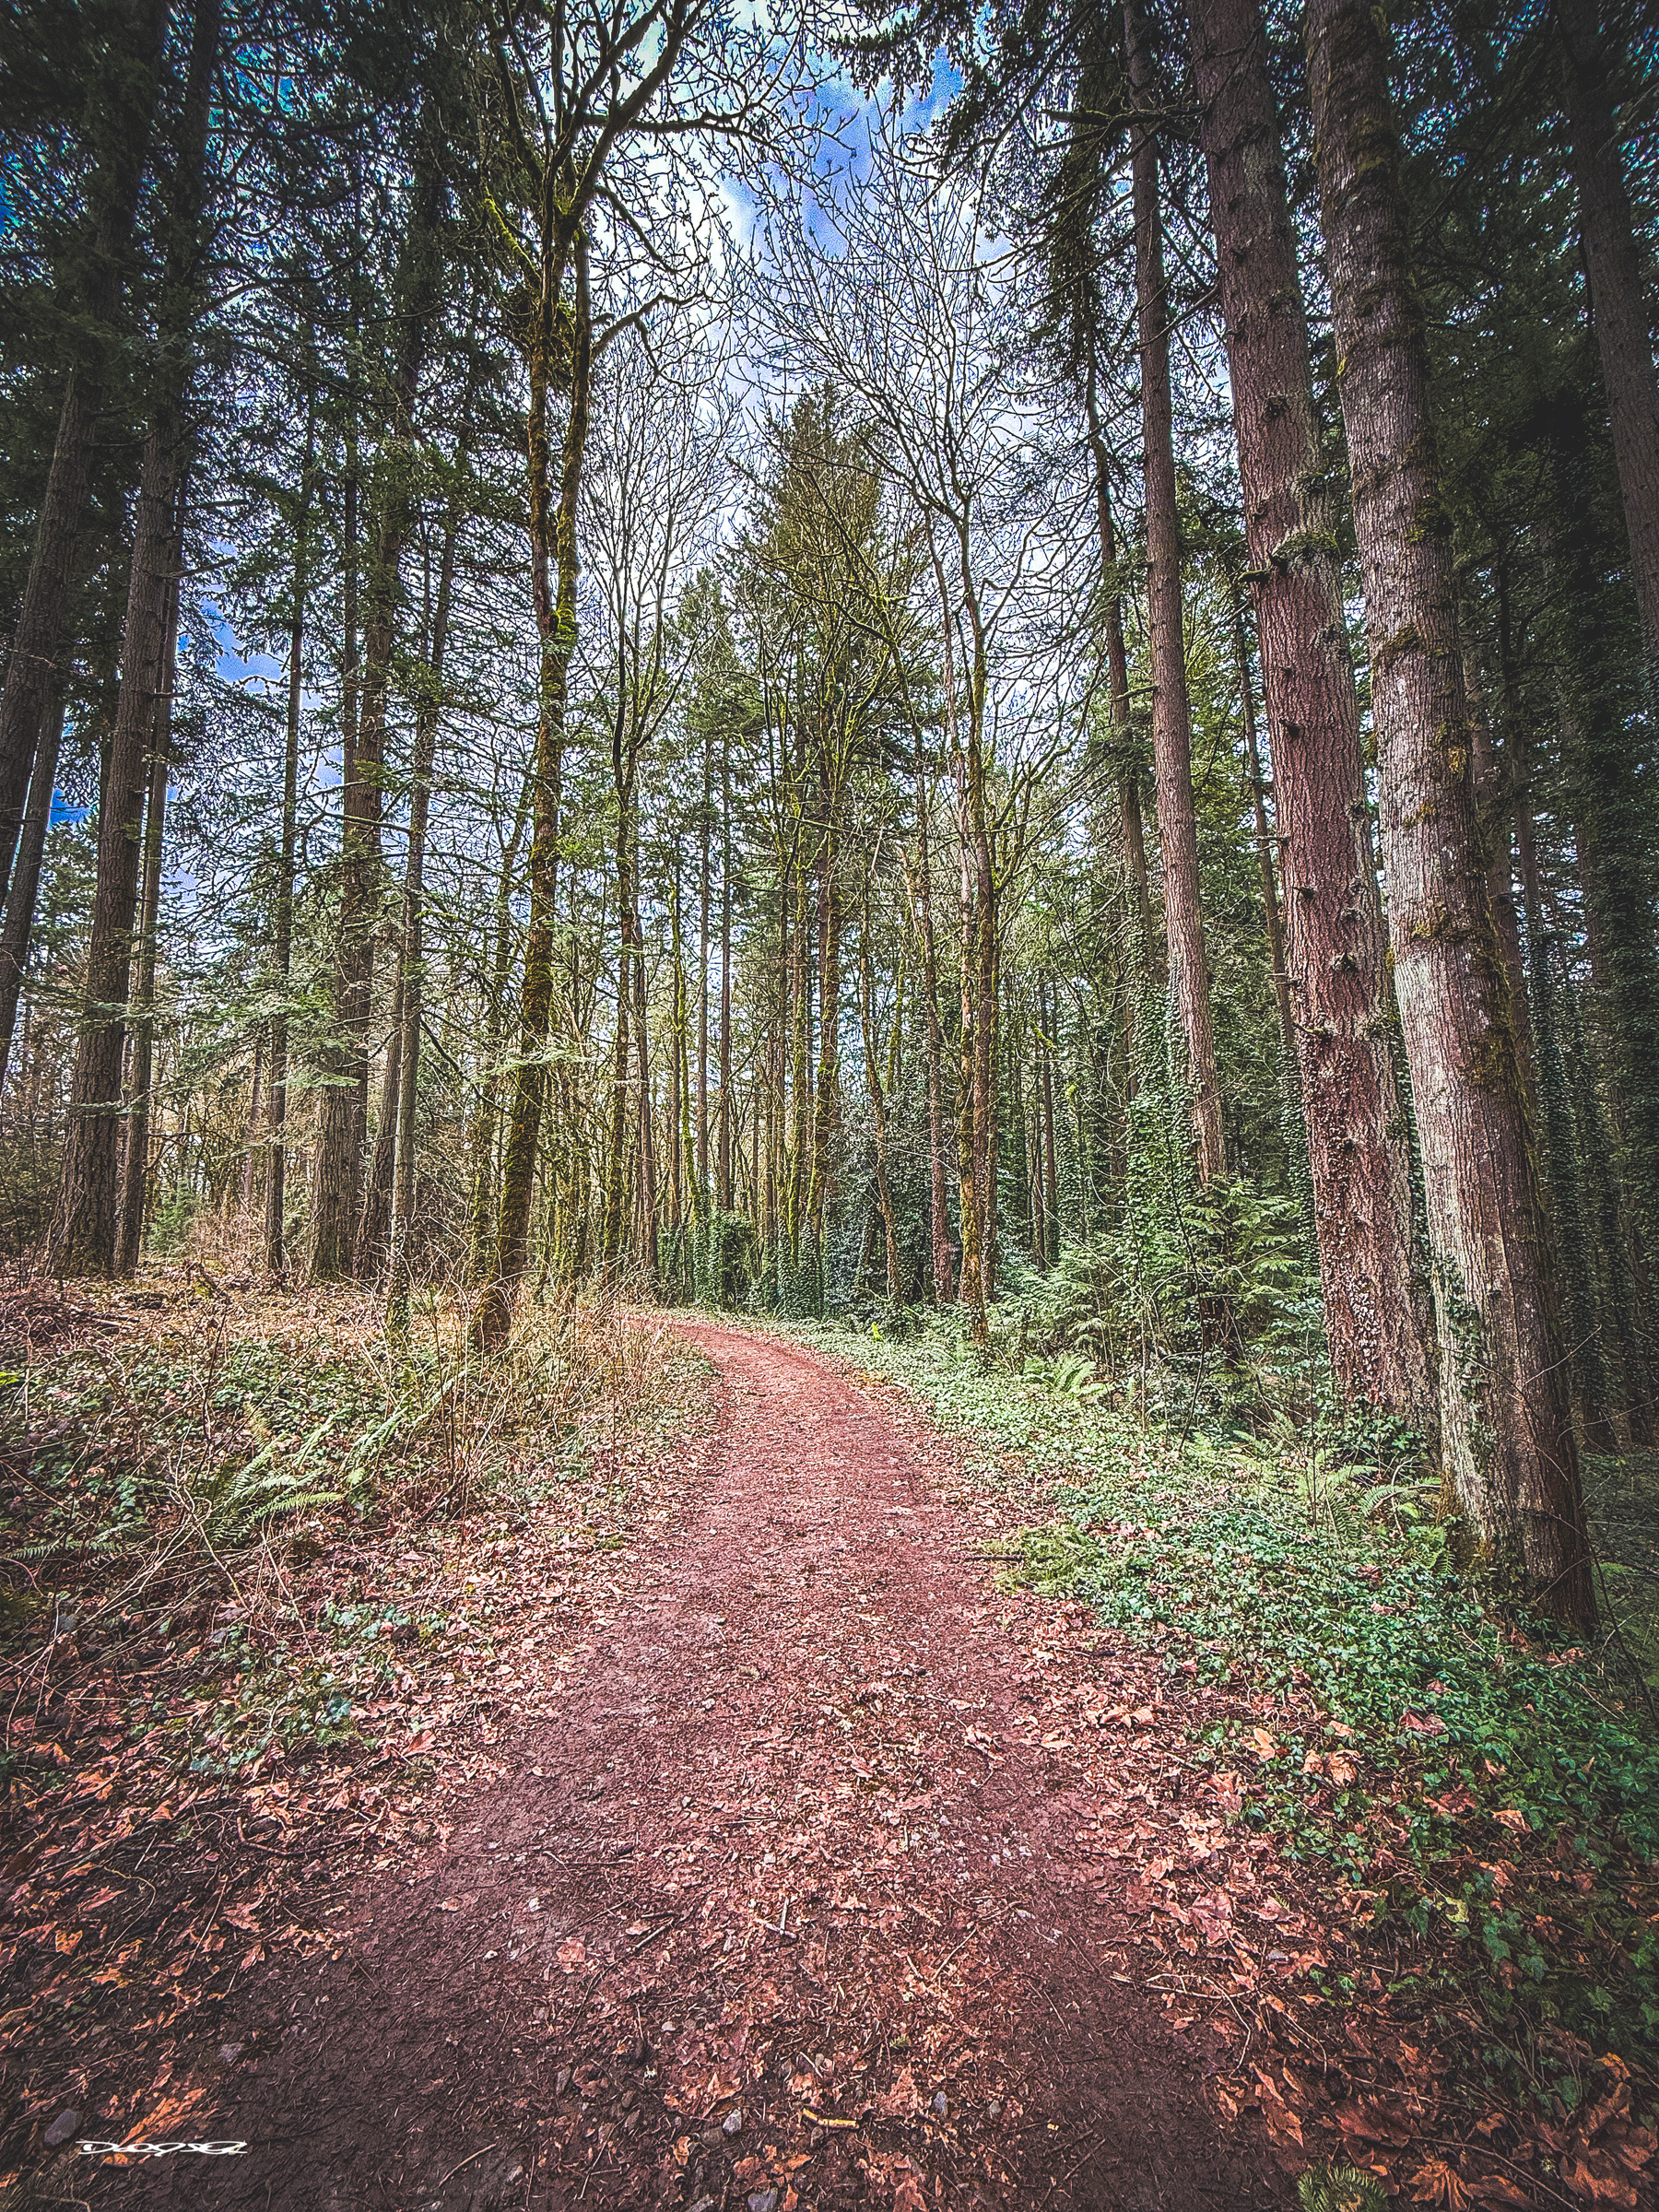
120	112
134	1191
1613	257
485	1119
1051	1175
83	1238
706	833
725	973
615	1155
412	979
919	883
84	1230
26	878
1172	710
374	1222
647	1139
826	1093
1509	1453
1132	829
337	1178
553	533
282	917
255	1102
1377	1322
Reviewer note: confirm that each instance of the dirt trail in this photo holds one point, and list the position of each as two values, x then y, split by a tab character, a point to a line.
793	1904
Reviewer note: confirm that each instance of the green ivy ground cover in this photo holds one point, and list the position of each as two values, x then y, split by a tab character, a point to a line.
1456	1773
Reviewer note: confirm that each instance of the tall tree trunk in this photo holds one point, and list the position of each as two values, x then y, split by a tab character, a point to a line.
1051	1173
255	1100
135	1190
551	532
26	876
678	1056
1132	829
374	1222
649	1254
84	1222
918	876
976	1097
826	1093
1608	794
1271	911
616	1154
486	1119
725	972
120	112
1172	708
338	1176
706	833
1613	257
412	978
1509	1453
1377	1322
896	1289
282	904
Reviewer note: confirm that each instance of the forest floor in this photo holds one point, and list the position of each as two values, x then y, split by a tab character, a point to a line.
714	1827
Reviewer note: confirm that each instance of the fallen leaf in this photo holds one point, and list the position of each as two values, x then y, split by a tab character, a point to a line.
1435	2183
1264	1746
1513	1817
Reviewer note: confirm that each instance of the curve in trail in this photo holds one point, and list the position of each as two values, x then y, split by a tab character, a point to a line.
787	1907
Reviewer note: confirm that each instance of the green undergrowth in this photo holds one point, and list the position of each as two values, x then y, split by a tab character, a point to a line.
206	1514
1486	1795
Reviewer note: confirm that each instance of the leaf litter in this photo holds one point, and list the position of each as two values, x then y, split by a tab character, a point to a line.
780	1860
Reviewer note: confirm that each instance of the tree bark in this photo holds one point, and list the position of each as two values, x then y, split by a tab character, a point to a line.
919	883
26	878
84	1230
1378	1325
121	115
374	1222
552	532
896	1287
337	1178
1508	1443
706	833
134	1191
1613	258
486	1118
1172	708
724	1154
282	917
1132	829
413	976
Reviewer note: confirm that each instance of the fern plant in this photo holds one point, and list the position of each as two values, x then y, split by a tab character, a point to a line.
233	1506
1338	2188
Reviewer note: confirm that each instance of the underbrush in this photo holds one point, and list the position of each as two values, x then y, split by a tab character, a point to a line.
174	1459
271	1592
1484	1796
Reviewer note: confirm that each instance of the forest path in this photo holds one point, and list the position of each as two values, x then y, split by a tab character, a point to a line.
808	1896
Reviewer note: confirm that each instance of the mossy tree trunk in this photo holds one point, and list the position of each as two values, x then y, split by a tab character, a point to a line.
1509	1453
1172	707
554	570
1378	1324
